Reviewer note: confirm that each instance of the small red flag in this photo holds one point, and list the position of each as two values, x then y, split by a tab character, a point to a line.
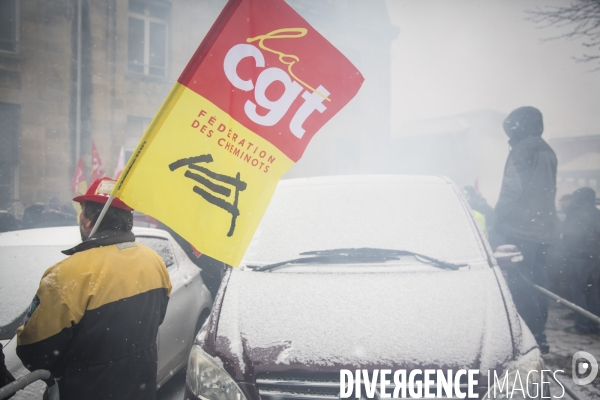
195	251
97	168
78	183
120	163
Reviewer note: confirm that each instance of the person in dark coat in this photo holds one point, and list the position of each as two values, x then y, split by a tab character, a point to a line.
581	249
53	215
8	222
526	213
558	276
32	216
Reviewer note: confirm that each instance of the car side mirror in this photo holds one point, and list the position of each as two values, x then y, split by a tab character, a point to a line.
508	255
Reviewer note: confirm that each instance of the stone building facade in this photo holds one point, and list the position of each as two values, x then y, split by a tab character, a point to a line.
131	54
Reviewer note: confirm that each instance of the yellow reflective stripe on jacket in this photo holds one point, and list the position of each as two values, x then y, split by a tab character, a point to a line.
50	317
88	280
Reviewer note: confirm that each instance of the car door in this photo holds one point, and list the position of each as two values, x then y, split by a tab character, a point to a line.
167	348
172	340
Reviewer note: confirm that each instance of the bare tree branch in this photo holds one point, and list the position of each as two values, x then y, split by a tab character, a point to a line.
583	16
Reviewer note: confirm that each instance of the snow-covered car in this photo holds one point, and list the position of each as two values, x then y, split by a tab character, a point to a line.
26	254
359	272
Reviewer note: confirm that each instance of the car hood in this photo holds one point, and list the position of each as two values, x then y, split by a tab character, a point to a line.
440	319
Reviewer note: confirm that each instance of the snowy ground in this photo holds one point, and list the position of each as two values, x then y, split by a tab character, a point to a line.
562	347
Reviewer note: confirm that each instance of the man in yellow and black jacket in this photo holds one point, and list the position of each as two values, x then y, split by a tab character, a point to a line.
94	320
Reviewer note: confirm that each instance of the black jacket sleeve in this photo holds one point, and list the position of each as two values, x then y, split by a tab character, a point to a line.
517	170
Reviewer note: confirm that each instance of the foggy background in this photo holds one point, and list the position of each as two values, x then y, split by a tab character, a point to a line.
464	65
440	77
456	69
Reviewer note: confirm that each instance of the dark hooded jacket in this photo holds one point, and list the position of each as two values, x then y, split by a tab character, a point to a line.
526	207
581	229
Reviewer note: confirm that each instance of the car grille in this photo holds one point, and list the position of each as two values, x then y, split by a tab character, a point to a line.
298	387
307	387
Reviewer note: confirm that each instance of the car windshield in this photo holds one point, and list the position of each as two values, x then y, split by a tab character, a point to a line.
420	215
21	268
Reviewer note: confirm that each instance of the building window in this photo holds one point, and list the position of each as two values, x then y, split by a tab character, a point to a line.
10	129
9	25
148	37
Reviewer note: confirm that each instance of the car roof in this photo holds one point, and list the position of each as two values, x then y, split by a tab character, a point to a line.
60	236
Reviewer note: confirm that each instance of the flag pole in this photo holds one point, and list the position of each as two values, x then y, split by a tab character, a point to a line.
101	216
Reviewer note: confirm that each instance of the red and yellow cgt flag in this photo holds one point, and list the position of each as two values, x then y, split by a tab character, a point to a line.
258	88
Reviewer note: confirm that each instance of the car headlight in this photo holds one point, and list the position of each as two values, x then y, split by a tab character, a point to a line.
522	382
209	381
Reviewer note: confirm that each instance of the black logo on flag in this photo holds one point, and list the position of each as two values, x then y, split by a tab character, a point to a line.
201	175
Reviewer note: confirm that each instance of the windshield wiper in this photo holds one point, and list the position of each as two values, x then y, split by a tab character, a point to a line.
356	255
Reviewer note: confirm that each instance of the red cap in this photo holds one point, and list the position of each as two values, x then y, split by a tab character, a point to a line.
99	192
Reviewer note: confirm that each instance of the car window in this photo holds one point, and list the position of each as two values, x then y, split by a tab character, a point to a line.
421	215
161	246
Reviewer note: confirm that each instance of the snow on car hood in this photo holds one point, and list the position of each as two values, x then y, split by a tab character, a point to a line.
454	319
